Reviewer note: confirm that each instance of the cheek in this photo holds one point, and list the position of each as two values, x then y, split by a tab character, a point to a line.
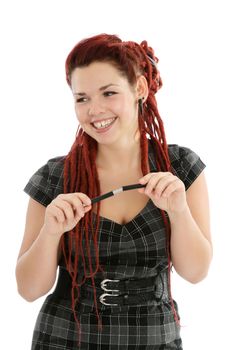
128	109
80	113
122	107
117	108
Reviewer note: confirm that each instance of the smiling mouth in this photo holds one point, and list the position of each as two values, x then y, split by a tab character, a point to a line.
103	125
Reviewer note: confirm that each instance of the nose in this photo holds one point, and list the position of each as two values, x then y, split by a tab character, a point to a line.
95	108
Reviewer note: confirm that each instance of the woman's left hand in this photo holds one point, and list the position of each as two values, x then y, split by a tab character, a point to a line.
166	191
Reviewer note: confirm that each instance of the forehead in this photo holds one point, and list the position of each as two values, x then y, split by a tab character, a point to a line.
96	75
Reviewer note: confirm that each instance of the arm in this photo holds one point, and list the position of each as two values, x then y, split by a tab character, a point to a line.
38	257
191	247
188	212
37	261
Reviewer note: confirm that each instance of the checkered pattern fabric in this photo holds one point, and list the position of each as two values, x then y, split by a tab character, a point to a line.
136	249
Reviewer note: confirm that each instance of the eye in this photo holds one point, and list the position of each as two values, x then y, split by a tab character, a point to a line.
109	93
81	100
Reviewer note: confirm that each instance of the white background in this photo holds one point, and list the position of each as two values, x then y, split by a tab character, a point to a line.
193	41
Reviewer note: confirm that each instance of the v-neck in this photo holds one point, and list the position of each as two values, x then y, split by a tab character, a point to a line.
152	165
103	218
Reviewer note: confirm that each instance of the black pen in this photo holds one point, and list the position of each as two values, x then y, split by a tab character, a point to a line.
114	192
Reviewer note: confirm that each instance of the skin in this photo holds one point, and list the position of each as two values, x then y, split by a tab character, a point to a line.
121	143
188	211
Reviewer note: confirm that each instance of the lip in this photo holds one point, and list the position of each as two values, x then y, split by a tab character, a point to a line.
101	131
101	120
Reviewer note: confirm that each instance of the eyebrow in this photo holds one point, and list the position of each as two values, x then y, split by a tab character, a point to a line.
101	89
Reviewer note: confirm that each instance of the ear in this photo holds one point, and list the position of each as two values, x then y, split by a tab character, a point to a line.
141	88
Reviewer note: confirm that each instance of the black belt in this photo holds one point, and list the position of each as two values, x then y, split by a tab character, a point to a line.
126	299
114	292
125	285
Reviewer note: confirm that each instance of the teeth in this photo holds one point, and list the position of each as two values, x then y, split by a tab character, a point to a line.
104	123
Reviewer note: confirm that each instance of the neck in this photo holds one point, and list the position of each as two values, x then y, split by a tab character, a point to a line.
119	157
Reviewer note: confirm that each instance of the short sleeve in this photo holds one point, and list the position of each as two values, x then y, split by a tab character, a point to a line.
47	182
186	164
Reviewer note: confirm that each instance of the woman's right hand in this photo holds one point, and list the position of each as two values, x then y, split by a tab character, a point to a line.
64	212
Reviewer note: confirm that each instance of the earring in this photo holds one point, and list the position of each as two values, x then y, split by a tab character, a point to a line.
140	105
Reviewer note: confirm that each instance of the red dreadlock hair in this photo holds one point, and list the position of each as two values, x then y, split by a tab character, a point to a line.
80	172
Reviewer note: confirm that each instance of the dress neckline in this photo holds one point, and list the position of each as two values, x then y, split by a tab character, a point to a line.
103	218
151	158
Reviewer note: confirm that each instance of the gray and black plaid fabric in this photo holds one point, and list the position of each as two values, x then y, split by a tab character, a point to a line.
134	250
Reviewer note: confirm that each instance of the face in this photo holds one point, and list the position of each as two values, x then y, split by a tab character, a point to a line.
105	103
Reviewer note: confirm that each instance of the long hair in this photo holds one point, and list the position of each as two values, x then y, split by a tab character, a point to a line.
80	172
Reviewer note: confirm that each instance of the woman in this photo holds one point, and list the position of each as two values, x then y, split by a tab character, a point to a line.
115	254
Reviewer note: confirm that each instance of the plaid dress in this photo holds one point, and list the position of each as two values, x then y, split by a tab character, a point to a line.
134	250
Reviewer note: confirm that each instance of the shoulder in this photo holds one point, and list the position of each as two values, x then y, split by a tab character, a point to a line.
56	174
178	153
55	167
47	181
186	163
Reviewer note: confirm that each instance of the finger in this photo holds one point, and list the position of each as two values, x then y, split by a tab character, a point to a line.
78	215
66	207
57	213
152	184
163	183
87	208
76	201
146	178
80	206
174	186
70	213
84	198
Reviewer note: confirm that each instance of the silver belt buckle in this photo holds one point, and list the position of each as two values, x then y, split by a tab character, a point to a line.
107	295
103	285
114	292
